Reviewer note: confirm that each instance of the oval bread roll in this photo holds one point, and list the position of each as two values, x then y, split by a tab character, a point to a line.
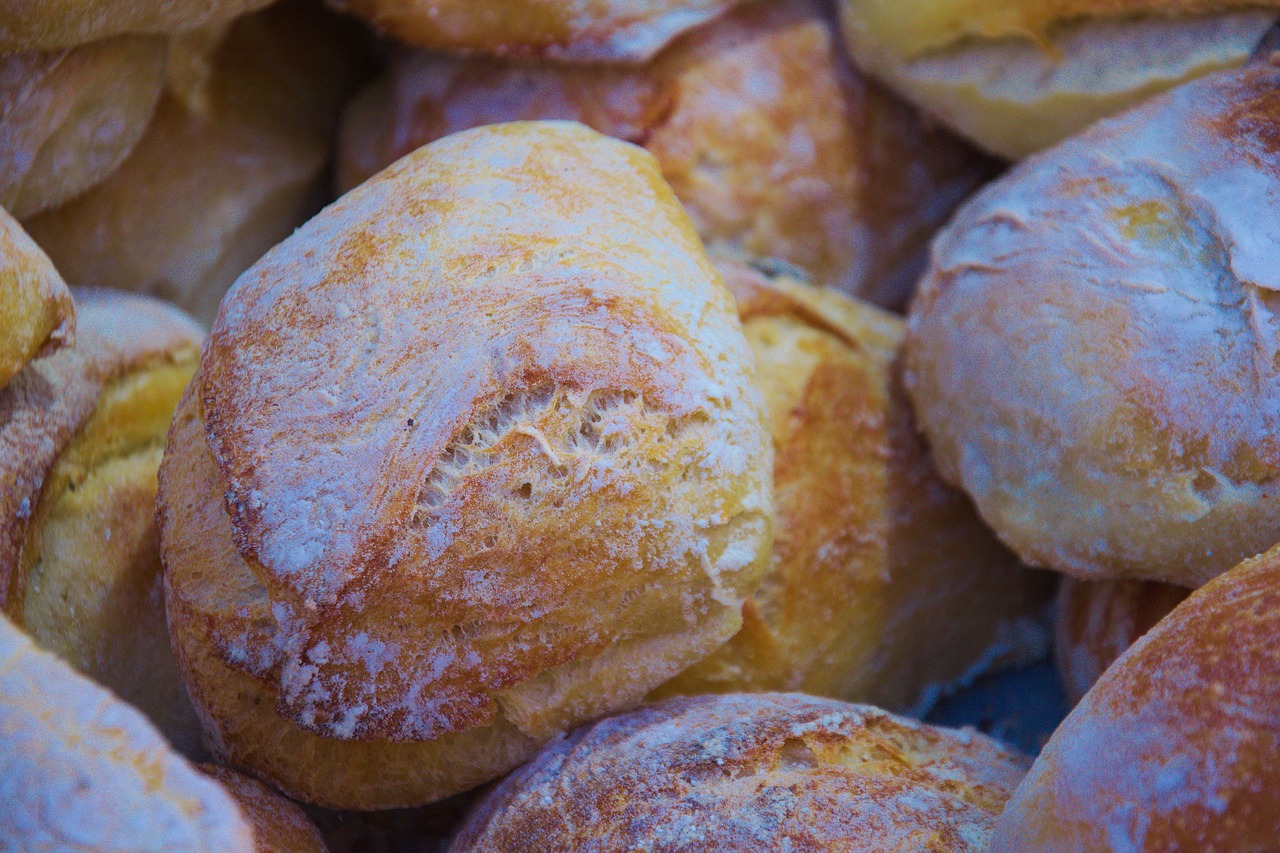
1016	77
884	586
1174	748
471	457
775	145
1094	352
36	311
51	24
751	772
81	436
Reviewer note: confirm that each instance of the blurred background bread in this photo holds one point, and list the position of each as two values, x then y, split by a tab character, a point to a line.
52	24
36	311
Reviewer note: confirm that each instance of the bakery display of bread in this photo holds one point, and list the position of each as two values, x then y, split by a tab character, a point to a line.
750	772
775	145
1018	76
1097	621
1094	352
1174	747
36	311
883	586
232	162
81	436
53	24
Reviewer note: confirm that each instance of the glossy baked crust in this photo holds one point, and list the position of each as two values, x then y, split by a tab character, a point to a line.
751	772
1093	352
36	311
1174	747
52	24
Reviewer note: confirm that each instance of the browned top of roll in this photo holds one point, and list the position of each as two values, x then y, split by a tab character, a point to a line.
36	313
48	24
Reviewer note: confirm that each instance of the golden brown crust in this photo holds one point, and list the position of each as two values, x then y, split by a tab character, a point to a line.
36	311
742	773
52	24
1174	747
279	826
770	139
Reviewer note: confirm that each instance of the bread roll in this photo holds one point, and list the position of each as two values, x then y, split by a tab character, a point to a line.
1018	77
1094	353
574	30
764	772
229	167
1098	620
69	117
1174	748
36	311
774	144
81	435
884	586
52	24
471	457
279	826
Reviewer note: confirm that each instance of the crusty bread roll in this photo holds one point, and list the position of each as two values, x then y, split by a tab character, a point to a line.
279	826
1016	76
574	30
1094	353
51	24
230	166
884	586
1096	621
1175	746
36	311
69	117
471	457
751	772
81	436
770	139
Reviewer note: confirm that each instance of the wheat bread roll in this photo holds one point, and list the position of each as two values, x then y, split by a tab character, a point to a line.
53	24
1016	77
751	772
36	311
230	165
1094	351
471	457
1174	747
775	145
278	825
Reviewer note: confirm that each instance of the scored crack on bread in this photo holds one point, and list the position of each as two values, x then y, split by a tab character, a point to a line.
1094	352
1174	747
85	771
884	585
473	456
1017	77
69	117
230	165
279	825
566	30
81	435
53	24
775	145
751	772
36	311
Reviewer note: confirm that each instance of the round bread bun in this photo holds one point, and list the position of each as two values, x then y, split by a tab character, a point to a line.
751	772
473	456
1098	620
884	586
1174	747
81	436
84	771
69	117
53	24
36	311
570	30
279	826
775	145
230	165
1094	352
1018	77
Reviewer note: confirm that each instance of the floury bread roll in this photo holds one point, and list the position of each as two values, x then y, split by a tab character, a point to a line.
760	772
1017	76
572	30
52	24
1097	621
36	311
473	456
279	825
884	586
773	143
81	436
1094	352
1174	748
230	165
69	117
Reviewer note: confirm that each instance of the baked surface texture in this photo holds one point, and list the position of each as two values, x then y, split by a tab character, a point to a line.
1094	351
1174	747
279	825
51	24
36	311
751	772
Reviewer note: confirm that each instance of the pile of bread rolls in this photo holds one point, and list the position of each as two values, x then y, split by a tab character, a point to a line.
614	425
